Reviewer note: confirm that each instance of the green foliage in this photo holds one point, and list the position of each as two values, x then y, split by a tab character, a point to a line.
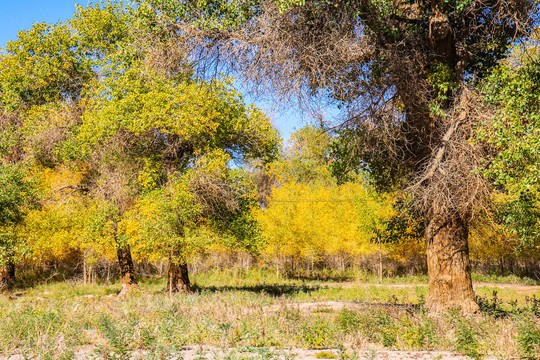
18	194
104	27
376	327
210	14
513	87
467	337
118	339
522	217
528	338
305	158
491	305
418	335
352	158
316	334
515	133
349	320
159	112
182	218
442	78
325	355
91	94
45	64
68	316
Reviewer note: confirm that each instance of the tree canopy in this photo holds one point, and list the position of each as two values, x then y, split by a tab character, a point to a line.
95	94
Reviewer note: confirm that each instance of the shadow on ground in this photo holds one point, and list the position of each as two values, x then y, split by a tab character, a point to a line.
270	289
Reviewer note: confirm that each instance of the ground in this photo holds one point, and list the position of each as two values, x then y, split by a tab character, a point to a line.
200	353
258	317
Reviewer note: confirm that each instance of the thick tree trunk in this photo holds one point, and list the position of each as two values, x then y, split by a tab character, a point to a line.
125	261
127	270
178	279
7	276
449	270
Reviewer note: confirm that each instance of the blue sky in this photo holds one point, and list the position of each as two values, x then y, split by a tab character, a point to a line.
22	14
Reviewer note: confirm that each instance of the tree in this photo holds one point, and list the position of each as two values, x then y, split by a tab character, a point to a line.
305	158
68	227
45	75
310	221
512	88
17	196
97	93
312	217
144	127
401	72
206	205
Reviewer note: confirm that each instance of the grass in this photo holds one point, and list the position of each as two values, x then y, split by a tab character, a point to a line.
509	279
252	311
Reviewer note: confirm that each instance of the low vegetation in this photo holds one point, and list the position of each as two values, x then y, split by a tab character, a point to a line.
256	310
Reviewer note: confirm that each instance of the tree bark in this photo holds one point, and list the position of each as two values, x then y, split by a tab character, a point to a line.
125	261
7	276
449	270
127	270
178	277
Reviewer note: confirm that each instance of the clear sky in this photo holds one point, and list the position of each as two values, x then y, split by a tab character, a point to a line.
19	15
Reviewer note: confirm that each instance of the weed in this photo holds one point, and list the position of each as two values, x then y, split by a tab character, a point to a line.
118	339
371	354
325	355
533	305
317	334
466	337
376	326
491	306
348	355
349	320
529	338
243	313
417	335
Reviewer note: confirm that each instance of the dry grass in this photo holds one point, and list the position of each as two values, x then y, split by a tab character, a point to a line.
60	320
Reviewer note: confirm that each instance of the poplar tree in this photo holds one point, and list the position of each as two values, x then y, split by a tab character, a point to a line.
401	71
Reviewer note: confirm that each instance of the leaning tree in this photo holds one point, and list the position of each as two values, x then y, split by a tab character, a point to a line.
401	71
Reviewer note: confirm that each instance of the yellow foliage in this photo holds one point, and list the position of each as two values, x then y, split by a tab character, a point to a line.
66	221
309	220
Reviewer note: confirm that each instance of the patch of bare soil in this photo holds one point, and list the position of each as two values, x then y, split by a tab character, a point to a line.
516	287
216	353
333	306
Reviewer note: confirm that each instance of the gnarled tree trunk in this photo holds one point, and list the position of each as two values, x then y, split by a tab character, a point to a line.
449	270
178	277
127	270
7	276
125	261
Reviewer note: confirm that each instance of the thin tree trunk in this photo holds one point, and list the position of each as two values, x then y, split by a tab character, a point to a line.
127	270
108	271
85	272
449	270
178	277
7	276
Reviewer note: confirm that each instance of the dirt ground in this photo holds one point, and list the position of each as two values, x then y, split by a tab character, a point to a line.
214	353
515	287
